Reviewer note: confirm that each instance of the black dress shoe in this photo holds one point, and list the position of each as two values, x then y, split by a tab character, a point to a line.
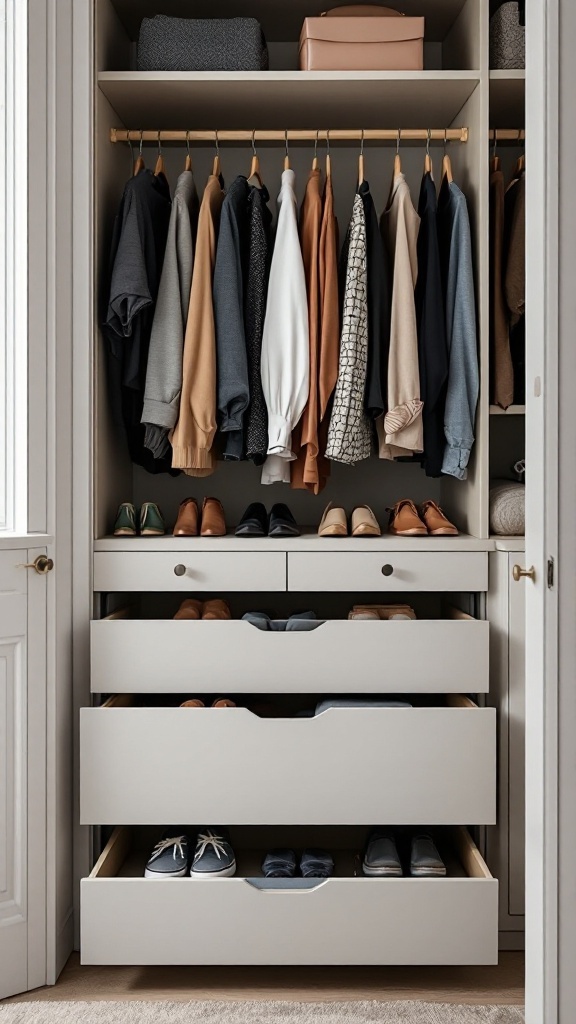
254	522
282	522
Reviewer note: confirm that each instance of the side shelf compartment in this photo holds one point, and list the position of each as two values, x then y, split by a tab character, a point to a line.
142	765
163	655
127	919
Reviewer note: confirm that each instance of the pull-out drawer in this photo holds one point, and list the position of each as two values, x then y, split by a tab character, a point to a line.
144	765
399	571
186	571
127	919
340	656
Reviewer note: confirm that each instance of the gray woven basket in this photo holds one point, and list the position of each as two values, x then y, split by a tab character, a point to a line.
507	39
201	44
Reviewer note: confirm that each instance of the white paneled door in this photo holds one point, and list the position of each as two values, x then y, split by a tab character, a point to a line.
22	770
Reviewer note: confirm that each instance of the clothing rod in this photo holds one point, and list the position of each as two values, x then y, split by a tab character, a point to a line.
507	134
294	135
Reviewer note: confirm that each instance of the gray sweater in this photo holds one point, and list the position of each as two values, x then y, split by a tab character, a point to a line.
164	368
463	376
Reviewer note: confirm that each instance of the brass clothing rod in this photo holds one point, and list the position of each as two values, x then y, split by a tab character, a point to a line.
294	135
507	134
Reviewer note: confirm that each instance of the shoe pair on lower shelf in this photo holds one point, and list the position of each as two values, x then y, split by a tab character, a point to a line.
215	608
208	523
427	521
213	855
148	521
314	863
256	522
334	522
381	858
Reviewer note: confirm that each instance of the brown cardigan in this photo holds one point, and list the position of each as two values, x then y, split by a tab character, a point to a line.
319	240
193	434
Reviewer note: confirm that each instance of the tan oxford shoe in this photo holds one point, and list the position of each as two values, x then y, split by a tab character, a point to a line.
195	703
364	522
216	608
333	522
436	522
405	521
187	521
213	521
189	609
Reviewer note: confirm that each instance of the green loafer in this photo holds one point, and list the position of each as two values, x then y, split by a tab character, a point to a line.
151	521
125	525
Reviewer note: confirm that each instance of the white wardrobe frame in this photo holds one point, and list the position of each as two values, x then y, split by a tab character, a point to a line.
66	35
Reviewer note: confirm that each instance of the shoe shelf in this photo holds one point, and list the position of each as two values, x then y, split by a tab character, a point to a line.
308	541
127	919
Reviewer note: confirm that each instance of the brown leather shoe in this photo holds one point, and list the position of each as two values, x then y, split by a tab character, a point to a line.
187	521
195	703
405	521
213	522
223	702
189	609
436	522
216	608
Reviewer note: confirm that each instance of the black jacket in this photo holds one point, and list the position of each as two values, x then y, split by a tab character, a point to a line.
432	346
376	393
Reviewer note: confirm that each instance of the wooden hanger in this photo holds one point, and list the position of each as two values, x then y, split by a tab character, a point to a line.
139	162
521	162
428	158
446	164
287	157
188	161
315	160
361	160
160	167
254	166
397	159
216	162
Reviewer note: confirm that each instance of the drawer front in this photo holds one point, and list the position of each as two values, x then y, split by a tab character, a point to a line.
340	921
345	766
189	571
400	572
426	656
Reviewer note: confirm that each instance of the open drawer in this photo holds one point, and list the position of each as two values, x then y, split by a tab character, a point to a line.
396	656
143	765
127	919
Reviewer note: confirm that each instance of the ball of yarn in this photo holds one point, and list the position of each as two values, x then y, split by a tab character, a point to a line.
507	508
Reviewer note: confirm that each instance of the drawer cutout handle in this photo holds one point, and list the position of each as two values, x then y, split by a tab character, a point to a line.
180	570
387	569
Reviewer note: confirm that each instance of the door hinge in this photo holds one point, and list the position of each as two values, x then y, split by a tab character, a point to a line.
550	574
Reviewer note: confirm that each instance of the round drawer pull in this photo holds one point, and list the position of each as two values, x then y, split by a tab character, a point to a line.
180	570
387	570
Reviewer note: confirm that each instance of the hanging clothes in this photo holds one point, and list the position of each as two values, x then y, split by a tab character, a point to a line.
515	278
376	397
194	432
330	327
400	431
228	291
259	256
432	348
164	369
460	311
285	344
138	244
305	436
350	433
501	356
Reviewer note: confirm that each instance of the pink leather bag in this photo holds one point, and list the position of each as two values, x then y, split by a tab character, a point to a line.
362	38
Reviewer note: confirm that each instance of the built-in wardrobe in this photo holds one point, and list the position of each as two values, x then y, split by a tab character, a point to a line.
451	763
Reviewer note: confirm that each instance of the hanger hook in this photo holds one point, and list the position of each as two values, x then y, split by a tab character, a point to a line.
362	143
429	136
129	141
254	142
159	145
286	141
328	142
495	142
445	140
398	141
141	134
216	142
188	140
520	139
316	144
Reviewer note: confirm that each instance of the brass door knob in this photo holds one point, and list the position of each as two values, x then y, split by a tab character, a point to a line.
41	565
518	572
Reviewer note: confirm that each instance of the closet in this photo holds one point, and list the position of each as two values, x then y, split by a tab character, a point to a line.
144	761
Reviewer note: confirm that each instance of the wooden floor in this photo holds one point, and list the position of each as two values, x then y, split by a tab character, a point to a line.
482	985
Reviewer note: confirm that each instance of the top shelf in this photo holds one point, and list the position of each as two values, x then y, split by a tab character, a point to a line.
287	99
281	19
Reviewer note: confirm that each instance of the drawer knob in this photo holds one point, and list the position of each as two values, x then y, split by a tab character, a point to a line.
180	570
518	572
387	570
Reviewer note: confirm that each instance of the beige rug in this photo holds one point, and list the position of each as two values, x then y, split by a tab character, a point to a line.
256	1012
